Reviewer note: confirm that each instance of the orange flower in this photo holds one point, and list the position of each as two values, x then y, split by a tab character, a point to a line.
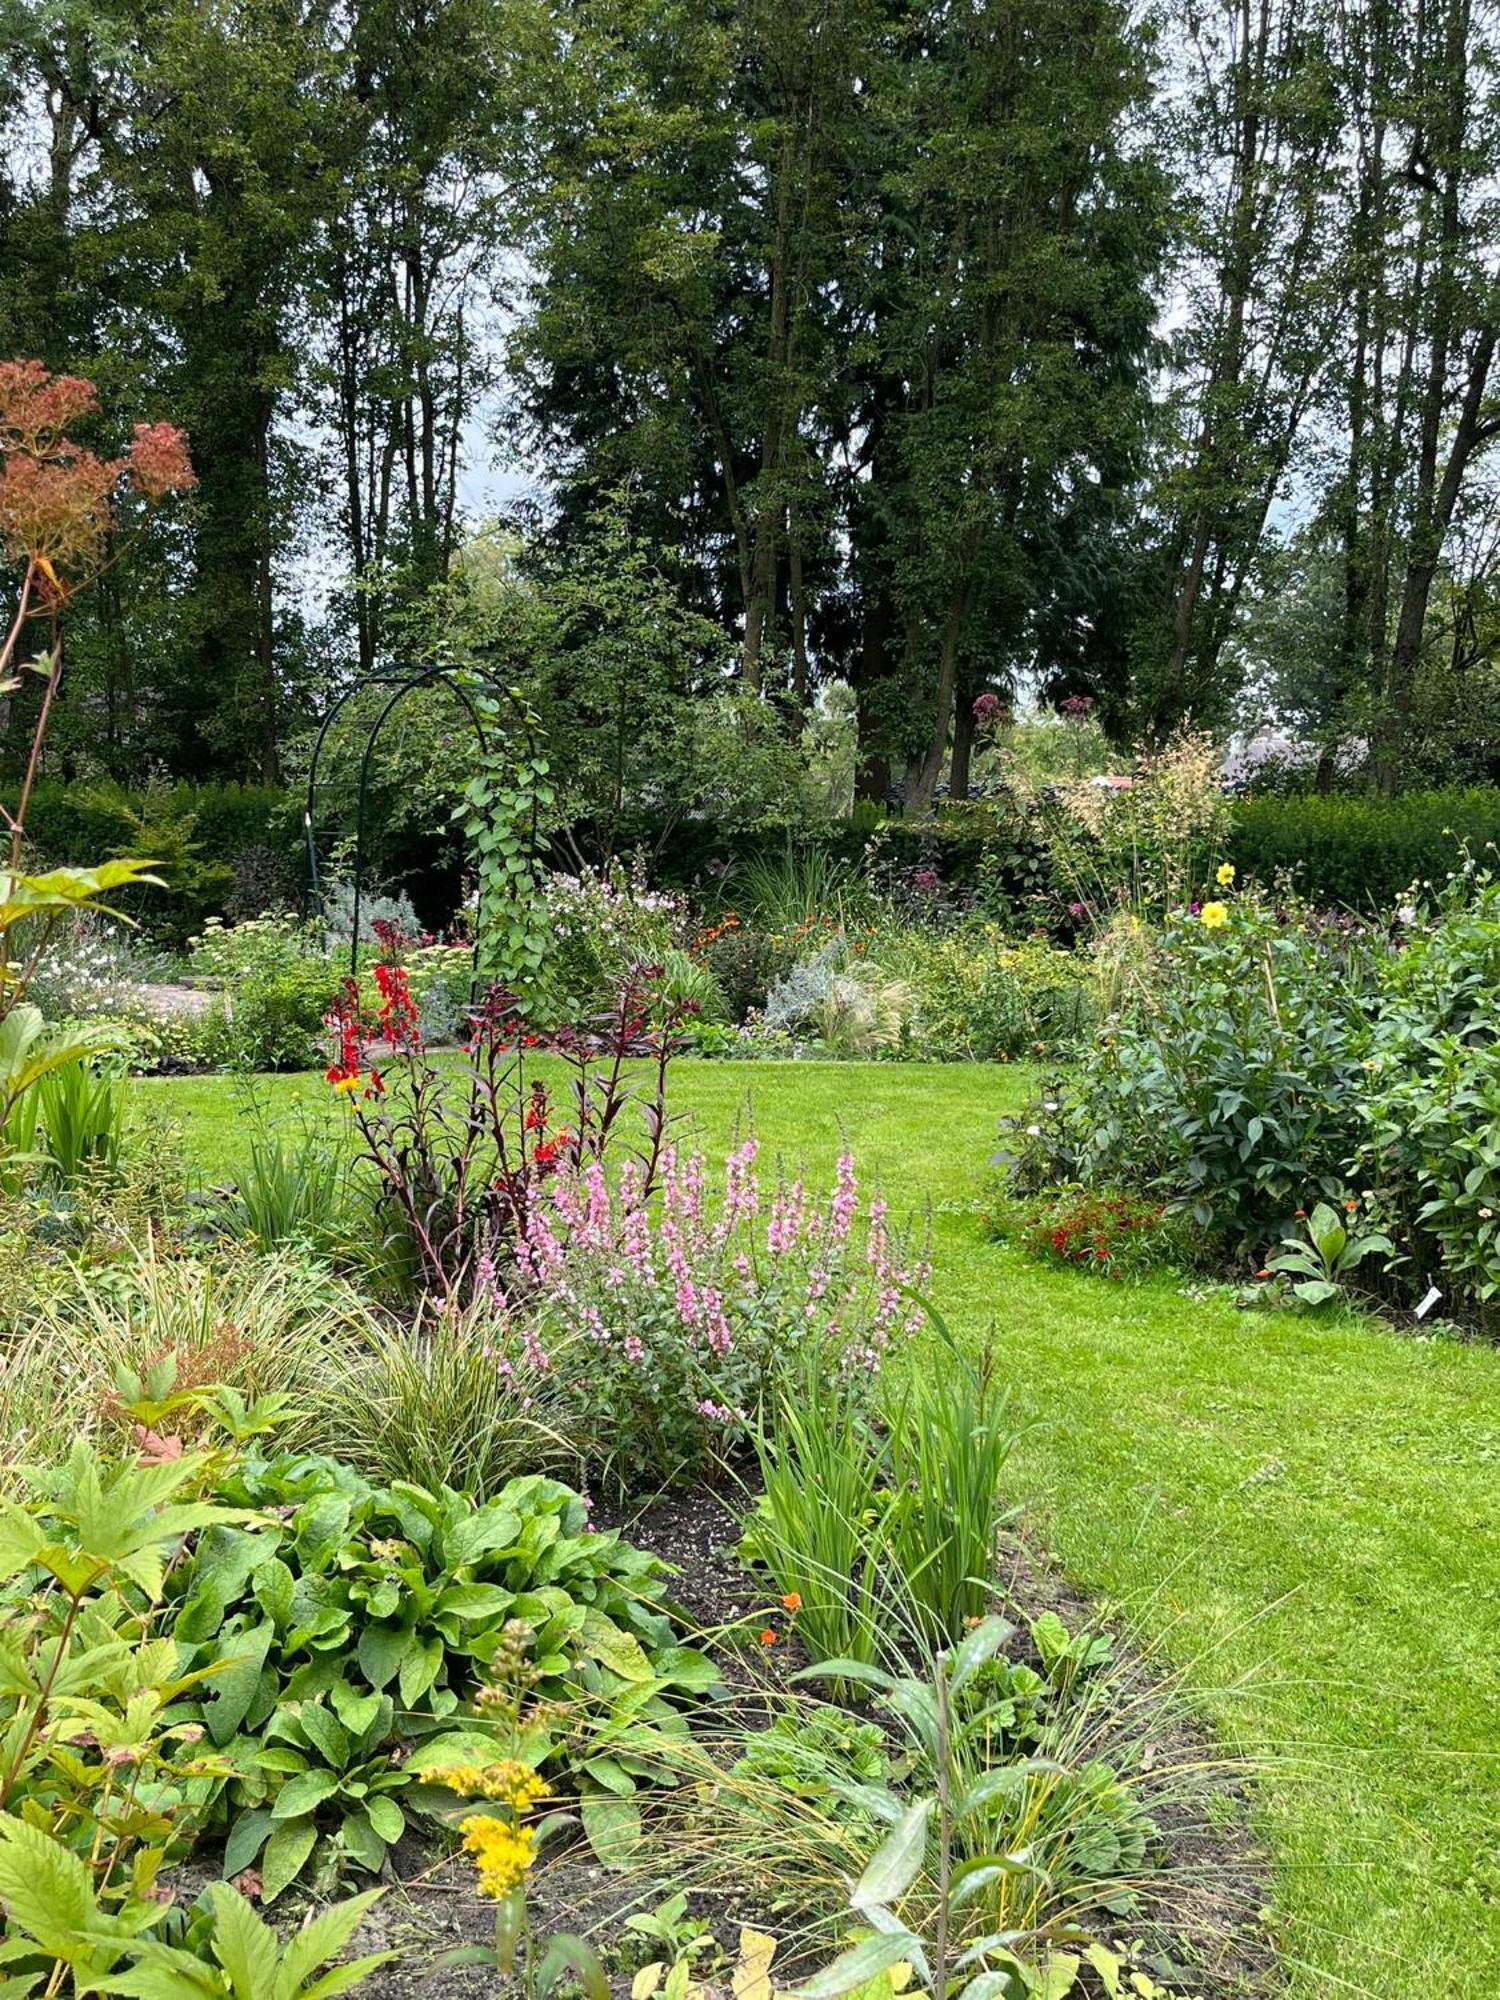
793	1600
768	1637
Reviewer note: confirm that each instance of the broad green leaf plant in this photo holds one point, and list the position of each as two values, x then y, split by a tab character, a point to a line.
57	1925
352	1617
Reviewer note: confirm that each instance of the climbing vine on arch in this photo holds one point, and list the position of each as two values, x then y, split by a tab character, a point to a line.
502	804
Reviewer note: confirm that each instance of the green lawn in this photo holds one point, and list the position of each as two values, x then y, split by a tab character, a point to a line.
1304	1514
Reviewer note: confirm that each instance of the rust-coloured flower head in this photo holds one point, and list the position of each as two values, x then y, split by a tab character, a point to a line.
57	499
159	462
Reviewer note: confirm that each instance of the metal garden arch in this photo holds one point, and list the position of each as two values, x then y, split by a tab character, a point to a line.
463	681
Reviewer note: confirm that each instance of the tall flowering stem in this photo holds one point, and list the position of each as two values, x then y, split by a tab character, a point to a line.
460	1170
59	509
690	1304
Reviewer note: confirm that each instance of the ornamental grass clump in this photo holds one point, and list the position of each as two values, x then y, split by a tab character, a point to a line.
684	1316
881	1518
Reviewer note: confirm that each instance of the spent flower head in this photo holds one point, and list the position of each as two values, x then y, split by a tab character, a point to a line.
58	500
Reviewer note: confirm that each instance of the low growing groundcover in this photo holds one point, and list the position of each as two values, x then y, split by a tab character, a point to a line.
1297	1513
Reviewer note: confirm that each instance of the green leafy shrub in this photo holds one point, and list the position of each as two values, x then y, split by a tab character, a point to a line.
225	822
161	825
248	950
1233	1081
279	985
1431	1093
347	1606
979	996
1273	1059
1361	853
273	1019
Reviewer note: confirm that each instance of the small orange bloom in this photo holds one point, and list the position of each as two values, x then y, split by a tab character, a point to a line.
768	1637
793	1600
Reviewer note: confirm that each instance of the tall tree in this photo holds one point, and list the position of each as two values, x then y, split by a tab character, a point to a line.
1012	321
1256	137
404	291
859	297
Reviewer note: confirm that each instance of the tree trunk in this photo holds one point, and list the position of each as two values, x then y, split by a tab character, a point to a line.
1427	548
963	749
872	776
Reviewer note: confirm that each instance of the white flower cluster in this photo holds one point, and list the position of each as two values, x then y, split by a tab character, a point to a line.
89	968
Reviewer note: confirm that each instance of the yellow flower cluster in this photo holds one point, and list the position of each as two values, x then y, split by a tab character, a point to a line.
502	1852
514	1784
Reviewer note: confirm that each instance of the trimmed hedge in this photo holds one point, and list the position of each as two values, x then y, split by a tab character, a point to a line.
1357	853
76	824
1361	853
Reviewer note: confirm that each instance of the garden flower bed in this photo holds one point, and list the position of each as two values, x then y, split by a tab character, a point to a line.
1214	1875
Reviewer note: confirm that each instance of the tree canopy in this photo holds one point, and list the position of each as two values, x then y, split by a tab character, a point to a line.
919	350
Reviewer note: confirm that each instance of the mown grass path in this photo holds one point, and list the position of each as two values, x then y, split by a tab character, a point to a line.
1304	1514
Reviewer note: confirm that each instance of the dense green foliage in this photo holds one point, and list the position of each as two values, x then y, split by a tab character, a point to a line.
1343	850
1361	853
1267	1060
230	849
867	360
361	1601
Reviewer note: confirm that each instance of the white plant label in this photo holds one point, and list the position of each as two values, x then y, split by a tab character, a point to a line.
1433	1295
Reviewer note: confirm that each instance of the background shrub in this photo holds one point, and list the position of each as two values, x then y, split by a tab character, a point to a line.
244	842
978	996
1361	853
1232	1081
275	1018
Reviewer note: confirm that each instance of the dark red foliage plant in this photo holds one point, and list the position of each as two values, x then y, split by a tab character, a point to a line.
461	1146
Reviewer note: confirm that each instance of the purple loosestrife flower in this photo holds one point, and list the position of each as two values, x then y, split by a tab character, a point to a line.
687	1311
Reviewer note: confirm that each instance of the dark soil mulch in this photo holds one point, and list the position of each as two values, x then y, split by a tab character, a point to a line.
1201	1933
